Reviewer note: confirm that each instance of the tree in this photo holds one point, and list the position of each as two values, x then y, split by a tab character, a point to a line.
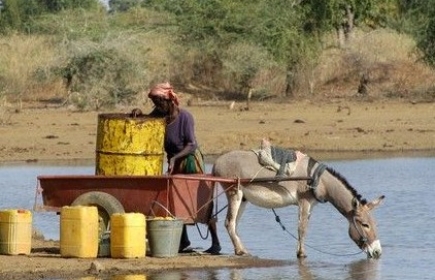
290	30
11	16
19	14
15	14
59	5
274	25
421	14
343	15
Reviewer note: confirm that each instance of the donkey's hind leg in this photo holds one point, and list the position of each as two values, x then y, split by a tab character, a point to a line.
236	206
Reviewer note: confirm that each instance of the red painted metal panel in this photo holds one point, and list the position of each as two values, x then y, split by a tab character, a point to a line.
189	199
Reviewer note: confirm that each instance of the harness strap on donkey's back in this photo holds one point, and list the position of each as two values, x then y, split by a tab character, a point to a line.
315	177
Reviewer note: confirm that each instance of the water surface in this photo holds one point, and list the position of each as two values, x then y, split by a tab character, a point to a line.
405	224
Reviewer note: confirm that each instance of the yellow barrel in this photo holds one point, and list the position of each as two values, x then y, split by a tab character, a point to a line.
128	235
15	232
79	231
129	146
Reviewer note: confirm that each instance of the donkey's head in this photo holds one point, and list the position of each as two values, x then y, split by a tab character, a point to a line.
362	227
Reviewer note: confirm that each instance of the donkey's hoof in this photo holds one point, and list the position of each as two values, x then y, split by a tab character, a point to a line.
242	253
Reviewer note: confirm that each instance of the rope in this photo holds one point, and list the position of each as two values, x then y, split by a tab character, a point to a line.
215	199
278	220
223	208
212	216
164	208
200	232
256	174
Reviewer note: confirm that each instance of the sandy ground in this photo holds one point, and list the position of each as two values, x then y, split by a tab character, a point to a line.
45	261
324	129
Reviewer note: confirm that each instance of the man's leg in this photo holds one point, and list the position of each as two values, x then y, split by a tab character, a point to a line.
215	244
184	242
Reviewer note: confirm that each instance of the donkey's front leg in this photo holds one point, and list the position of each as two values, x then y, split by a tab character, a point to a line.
234	202
304	215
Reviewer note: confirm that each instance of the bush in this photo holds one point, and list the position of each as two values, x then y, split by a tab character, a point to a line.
242	62
99	78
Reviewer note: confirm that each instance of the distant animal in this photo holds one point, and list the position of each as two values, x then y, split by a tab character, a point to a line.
326	186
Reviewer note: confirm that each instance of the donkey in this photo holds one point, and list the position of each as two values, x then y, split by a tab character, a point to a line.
325	185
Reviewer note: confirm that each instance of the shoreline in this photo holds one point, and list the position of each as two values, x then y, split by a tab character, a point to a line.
209	159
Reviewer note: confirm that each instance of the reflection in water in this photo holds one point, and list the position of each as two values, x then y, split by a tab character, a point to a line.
206	274
236	274
116	277
366	269
128	277
212	275
304	270
168	275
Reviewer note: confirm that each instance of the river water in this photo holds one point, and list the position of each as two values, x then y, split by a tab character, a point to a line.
405	223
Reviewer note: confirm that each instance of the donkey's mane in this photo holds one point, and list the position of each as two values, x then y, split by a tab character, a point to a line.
347	185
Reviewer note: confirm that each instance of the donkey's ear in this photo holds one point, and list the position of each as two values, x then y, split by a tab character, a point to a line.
375	202
355	203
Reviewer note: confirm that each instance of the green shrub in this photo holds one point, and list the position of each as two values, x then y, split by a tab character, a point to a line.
241	64
100	78
72	25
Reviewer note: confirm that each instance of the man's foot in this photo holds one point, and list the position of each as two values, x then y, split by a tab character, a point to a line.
214	250
184	247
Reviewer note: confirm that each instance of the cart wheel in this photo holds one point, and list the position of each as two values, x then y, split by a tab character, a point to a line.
107	205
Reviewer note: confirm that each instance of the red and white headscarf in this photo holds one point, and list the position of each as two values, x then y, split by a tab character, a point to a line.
164	90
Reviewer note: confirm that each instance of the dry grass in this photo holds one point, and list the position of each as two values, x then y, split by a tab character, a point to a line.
388	58
21	59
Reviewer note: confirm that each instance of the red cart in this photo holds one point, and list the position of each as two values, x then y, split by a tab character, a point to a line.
187	197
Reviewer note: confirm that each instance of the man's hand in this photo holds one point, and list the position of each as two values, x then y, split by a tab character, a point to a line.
171	165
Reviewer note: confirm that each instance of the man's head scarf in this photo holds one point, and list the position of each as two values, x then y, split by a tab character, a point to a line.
165	91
